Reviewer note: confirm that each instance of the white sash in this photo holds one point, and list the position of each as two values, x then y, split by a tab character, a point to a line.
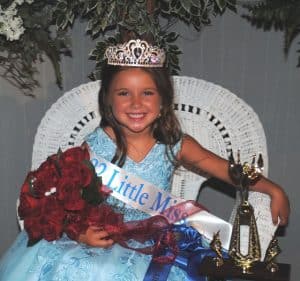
146	197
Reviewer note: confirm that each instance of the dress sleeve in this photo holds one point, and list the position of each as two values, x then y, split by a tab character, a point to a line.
177	147
90	138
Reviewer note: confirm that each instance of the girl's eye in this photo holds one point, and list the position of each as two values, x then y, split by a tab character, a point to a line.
123	93
148	93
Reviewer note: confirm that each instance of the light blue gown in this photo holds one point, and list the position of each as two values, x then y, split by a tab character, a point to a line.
67	260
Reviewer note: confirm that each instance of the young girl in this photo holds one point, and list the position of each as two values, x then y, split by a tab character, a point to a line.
140	133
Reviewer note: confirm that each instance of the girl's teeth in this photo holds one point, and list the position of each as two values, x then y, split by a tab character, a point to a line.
138	115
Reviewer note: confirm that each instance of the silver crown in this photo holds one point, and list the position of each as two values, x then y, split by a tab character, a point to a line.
135	53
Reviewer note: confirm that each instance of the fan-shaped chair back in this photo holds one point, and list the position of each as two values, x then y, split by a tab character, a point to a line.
214	116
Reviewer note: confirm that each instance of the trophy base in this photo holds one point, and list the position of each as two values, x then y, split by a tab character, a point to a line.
258	272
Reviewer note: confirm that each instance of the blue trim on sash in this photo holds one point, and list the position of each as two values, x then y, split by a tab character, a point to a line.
191	253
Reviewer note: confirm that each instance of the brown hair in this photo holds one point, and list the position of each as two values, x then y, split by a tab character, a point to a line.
166	129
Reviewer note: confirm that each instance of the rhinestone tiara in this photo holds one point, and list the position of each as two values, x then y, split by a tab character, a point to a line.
135	53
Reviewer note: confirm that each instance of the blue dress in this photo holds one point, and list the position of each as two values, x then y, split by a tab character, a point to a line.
67	260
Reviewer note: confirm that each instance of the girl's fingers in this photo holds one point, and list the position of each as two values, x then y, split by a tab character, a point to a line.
96	228
101	239
275	219
105	243
284	219
103	234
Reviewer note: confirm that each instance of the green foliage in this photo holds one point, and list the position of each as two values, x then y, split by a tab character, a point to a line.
141	18
18	59
47	22
282	15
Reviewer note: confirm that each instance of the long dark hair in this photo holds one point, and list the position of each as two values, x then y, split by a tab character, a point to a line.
166	129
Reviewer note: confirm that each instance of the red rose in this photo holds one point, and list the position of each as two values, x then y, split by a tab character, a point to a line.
105	216
93	216
44	178
70	172
78	154
75	225
51	230
52	218
73	230
53	210
33	227
29	206
79	173
86	175
70	195
26	186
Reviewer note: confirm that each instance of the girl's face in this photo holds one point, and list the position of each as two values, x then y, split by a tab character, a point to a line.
135	100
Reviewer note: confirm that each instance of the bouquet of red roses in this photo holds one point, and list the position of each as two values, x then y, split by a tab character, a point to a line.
61	195
64	195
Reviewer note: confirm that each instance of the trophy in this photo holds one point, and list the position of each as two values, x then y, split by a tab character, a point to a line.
244	226
244	250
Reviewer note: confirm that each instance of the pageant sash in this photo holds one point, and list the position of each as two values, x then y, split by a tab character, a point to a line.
152	200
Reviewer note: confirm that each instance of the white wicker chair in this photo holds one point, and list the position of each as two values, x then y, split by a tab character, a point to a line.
217	118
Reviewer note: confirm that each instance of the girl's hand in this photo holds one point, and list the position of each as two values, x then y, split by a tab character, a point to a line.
96	237
280	206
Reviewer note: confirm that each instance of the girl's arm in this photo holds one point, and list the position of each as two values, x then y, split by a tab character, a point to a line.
197	158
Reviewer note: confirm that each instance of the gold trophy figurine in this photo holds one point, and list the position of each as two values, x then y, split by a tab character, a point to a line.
216	246
243	175
272	252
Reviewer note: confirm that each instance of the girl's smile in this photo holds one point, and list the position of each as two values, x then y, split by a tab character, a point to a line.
135	100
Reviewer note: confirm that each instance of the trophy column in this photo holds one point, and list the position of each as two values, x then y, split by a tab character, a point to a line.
244	227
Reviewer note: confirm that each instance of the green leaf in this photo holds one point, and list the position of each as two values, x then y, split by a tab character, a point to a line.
70	17
196	3
100	9
91	193
59	152
171	37
62	6
92	5
186	4
61	22
89	165
221	4
32	242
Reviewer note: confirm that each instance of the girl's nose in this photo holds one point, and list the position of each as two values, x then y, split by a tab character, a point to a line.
136	101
